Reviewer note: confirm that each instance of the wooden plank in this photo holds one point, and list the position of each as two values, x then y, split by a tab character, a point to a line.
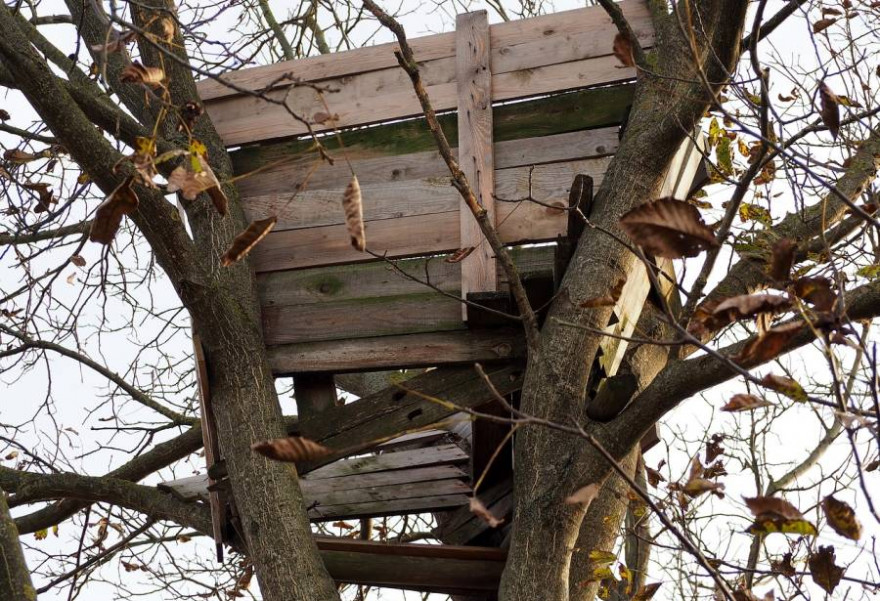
345	496
557	114
423	196
417	571
275	181
375	548
397	352
211	445
325	287
518	222
390	507
242	120
440	455
314	393
474	85
196	487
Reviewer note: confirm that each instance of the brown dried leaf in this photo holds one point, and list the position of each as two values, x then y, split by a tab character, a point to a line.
745	402
817	291
782	259
166	28
823	24
842	518
654	476
480	510
191	184
772	508
321	117
247	240
19	157
342	525
46	198
824	571
668	228
189	113
78	261
784	566
623	50
607	300
714	448
646	592
830	109
291	449
108	217
747	305
116	41
768	345
354	214
785	385
583	496
137	73
460	255
4	115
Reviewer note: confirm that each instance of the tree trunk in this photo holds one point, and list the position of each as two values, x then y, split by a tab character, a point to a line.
551	465
15	578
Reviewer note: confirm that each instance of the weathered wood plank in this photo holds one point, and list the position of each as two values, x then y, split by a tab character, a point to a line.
245	119
397	352
517	45
389	507
324	502
518	222
543	117
402	198
474	84
439	455
428	568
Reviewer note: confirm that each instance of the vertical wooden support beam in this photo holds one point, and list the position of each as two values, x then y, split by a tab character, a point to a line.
474	77
315	394
212	447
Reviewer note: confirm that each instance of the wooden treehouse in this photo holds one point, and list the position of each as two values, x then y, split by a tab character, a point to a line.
535	108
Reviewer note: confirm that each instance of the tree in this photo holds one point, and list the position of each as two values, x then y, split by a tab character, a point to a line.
703	62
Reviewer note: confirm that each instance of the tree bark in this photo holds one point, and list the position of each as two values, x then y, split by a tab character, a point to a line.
669	102
15	578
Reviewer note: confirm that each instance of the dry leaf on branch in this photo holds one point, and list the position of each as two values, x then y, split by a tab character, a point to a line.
785	385
291	449
823	24
817	291
192	183
773	514
583	496
78	261
824	571
842	518
745	402
137	73
460	255
20	157
830	109
782	259
245	241
480	510
768	345
116	41
623	50
4	115
714	448
646	592
784	566
607	300
747	305
189	113
46	198
354	214
668	228
108	217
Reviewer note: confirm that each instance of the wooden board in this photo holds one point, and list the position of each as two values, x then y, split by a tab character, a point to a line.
365	300
519	121
397	352
436	231
511	40
445	569
448	454
475	150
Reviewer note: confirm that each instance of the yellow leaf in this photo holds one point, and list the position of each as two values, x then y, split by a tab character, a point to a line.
41	534
801	527
602	557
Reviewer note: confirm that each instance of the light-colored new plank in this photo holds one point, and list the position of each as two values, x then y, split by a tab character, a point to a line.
585	32
475	156
387	352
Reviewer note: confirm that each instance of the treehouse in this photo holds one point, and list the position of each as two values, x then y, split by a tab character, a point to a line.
534	109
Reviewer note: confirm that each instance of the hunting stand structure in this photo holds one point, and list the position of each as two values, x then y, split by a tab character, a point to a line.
535	109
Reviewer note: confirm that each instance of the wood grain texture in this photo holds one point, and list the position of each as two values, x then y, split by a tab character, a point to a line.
432	232
394	352
475	149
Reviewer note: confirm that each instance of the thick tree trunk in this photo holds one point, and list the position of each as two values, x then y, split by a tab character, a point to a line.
551	465
15	578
